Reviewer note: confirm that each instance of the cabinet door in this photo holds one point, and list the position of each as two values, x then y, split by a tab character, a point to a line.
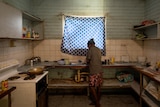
10	21
42	100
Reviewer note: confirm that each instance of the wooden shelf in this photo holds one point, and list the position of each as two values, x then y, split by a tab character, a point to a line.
143	27
34	39
150	31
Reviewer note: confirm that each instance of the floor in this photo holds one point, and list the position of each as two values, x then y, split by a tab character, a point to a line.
83	101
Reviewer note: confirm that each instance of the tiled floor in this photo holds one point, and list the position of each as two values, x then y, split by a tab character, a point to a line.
83	101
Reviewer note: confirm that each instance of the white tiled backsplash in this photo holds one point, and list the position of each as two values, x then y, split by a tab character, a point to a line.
49	49
152	50
21	51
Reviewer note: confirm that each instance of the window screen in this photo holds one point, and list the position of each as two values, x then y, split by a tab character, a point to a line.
79	30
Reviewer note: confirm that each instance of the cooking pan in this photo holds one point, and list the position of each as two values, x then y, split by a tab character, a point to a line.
36	70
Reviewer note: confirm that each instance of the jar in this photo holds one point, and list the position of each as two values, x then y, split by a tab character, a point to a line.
4	85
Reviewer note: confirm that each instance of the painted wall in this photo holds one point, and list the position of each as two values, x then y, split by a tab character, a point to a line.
120	19
152	10
151	47
121	14
24	5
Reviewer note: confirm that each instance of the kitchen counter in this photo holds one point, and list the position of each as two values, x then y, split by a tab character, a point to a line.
60	73
56	65
152	74
79	66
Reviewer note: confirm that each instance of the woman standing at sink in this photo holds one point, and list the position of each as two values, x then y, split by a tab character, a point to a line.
93	59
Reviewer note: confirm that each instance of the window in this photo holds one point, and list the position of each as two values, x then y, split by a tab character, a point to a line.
79	30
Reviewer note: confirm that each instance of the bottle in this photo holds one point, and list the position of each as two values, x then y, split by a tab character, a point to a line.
28	34
112	60
24	32
31	62
33	34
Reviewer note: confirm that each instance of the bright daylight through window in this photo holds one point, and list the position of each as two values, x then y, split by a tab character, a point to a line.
77	32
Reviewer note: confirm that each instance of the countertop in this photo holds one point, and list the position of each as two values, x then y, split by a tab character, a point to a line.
142	69
53	64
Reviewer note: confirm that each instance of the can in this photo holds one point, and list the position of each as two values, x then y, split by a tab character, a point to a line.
4	85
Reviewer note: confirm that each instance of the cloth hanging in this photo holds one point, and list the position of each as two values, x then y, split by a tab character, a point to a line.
77	32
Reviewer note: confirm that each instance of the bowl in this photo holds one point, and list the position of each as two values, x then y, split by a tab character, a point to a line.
61	62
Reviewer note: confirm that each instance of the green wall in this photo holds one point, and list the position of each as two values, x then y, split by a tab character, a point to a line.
121	15
24	5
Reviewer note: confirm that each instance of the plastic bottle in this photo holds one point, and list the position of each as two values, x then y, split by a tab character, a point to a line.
28	34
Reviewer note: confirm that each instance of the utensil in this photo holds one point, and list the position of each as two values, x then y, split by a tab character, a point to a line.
28	62
61	62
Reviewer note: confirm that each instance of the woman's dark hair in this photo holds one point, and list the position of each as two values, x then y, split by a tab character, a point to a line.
91	41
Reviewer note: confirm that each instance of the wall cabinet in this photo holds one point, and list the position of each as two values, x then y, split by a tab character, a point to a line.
147	32
13	22
10	21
